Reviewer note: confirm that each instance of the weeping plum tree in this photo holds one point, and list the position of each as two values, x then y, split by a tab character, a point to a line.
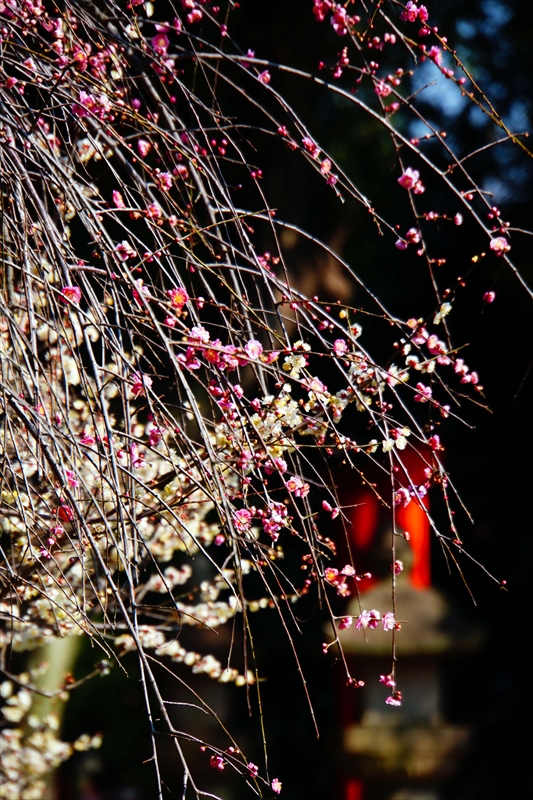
173	403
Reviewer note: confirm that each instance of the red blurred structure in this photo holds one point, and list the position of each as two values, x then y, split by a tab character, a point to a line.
369	516
404	753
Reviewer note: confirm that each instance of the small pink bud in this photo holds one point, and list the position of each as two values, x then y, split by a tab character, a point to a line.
118	200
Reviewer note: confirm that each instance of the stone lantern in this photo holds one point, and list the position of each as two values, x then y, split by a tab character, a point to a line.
404	752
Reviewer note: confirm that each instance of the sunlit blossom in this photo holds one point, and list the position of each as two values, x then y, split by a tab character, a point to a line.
253	349
500	245
141	383
160	43
178	297
72	293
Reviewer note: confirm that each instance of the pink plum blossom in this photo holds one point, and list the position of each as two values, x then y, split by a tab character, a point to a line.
178	297
199	334
271	357
395	699
194	16
141	382
250	54
155	436
382	89
118	200
297	487
86	103
311	147
242	519
339	21
424	393
402	497
276	786
154	211
500	245
264	77
435	345
181	171
421	336
348	570
460	367
434	442
331	574
124	250
410	179
253	349
144	147
164	181
274	518
65	513
160	44
345	622
276	465
89	104
217	762
340	347
435	53
316	385
410	13
137	459
140	292
368	619
71	478
328	507
321	8
72	293
189	360
388	621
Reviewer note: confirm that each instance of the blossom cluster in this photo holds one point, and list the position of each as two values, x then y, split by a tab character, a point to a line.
168	386
32	749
